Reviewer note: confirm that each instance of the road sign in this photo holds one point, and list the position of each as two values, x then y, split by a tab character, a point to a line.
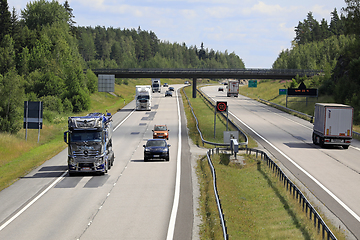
33	115
221	106
308	92
252	84
282	91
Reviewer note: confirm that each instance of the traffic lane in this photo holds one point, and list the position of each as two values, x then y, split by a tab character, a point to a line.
31	185
23	191
140	203
310	157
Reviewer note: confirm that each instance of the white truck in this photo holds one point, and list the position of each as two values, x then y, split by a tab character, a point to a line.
332	124
155	85
143	97
233	88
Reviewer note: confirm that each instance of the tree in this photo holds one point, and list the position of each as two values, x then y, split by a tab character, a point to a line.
353	17
41	13
5	19
7	54
11	102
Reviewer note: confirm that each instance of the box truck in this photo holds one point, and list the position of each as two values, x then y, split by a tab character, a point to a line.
332	124
233	88
155	84
143	97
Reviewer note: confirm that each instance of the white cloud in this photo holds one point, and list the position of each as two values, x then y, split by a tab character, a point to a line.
267	9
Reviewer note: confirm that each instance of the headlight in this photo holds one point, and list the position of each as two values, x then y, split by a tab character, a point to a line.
147	150
99	161
71	161
165	150
155	133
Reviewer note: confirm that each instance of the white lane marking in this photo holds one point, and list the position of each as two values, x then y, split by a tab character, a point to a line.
48	188
171	228
32	202
305	172
124	120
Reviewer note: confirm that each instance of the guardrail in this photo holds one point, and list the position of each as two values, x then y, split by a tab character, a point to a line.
299	113
306	205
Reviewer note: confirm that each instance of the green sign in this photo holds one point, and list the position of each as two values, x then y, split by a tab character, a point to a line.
252	83
282	91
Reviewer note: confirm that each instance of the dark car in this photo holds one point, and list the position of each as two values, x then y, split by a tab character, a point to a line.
156	149
171	89
221	89
166	85
168	93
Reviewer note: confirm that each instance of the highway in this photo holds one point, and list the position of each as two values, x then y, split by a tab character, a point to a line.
332	175
135	200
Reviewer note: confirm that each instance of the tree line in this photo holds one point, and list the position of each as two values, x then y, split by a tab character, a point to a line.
43	56
334	48
111	47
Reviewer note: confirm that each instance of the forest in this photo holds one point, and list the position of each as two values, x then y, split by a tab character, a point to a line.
333	48
43	56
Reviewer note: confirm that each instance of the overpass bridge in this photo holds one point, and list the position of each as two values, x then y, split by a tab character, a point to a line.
194	74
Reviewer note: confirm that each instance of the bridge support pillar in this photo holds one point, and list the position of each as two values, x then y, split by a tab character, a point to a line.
194	88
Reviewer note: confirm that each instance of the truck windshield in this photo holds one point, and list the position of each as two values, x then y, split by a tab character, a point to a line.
82	136
143	97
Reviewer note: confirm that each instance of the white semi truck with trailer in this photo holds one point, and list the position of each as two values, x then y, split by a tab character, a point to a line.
155	85
332	124
233	88
143	97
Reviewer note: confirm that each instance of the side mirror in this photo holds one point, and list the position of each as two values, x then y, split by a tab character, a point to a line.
152	130
169	145
143	145
66	136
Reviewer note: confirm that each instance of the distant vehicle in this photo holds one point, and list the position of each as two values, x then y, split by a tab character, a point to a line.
186	82
166	85
161	131
155	85
171	89
233	88
225	83
156	149
168	93
143	97
333	124
220	89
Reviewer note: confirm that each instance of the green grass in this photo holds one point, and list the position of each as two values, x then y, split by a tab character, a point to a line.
255	203
205	114
19	157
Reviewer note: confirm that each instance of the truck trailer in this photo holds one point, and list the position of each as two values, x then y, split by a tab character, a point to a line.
143	97
233	88
89	140
332	124
155	85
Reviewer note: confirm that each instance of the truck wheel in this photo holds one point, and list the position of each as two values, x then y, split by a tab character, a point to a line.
314	139
321	142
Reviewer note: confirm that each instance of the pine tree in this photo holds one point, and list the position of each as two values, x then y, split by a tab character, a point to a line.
5	19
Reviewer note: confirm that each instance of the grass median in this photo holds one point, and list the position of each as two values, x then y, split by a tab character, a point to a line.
254	202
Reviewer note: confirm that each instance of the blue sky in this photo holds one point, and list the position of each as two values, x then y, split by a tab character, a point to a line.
255	30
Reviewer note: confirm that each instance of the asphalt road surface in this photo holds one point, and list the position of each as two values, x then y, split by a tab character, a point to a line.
135	200
331	174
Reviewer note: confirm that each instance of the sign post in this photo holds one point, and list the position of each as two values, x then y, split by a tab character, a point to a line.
221	107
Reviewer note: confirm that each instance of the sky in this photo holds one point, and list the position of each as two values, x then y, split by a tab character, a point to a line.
256	31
